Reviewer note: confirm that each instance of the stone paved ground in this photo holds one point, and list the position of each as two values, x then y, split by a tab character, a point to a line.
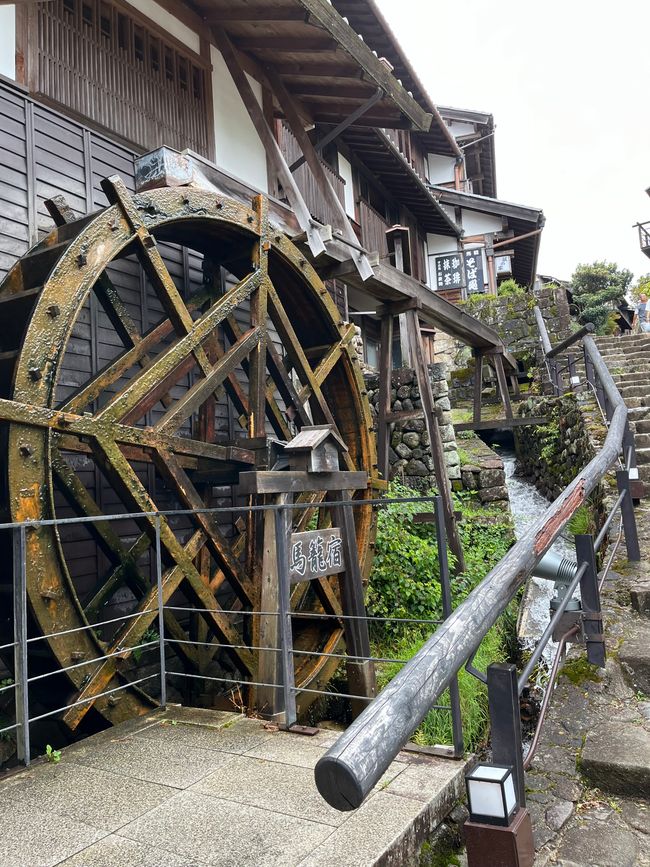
187	788
594	712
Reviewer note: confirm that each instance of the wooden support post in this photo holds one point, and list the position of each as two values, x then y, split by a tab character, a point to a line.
478	384
316	243
385	373
269	699
433	429
360	671
289	106
497	360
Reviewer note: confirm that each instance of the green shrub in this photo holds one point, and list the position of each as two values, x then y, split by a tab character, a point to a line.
405	577
510	287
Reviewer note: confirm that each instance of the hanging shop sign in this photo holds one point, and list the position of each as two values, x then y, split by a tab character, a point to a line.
315	554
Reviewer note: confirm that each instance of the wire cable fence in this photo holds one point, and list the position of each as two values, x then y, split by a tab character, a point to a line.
27	684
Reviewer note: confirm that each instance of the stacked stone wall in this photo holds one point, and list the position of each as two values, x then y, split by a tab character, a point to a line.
410	450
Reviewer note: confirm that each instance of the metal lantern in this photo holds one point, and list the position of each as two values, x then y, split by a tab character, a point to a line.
491	794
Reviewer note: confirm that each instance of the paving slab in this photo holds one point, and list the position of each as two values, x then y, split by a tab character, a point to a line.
99	798
616	758
162	761
236	735
31	837
114	851
227	834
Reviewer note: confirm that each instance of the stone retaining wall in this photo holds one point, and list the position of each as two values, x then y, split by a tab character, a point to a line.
410	451
551	455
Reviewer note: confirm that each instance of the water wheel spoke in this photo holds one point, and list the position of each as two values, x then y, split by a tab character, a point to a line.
148	379
201	390
300	363
130	635
174	474
273	411
327	364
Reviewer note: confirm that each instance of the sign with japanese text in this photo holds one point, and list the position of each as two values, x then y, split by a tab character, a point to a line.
474	271
314	554
449	271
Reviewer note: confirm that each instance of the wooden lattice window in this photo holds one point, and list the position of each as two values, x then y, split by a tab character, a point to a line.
103	62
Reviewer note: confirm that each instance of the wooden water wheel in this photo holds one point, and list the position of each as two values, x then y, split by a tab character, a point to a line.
183	402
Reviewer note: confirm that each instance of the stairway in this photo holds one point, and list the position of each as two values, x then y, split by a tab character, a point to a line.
628	360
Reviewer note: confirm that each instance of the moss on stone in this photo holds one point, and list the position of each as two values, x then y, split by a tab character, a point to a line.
579	671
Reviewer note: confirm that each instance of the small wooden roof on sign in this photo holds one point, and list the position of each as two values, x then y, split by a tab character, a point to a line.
311	436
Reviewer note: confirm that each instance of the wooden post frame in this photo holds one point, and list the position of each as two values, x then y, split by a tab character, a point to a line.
289	106
385	373
256	113
433	429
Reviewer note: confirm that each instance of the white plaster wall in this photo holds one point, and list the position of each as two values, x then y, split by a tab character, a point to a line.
440	243
8	41
345	170
475	223
168	22
240	151
441	168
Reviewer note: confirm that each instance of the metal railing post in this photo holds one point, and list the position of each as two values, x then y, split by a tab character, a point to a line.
629	448
21	675
592	619
161	618
505	723
590	374
629	518
443	560
282	517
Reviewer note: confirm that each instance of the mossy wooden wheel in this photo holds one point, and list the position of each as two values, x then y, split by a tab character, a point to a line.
260	337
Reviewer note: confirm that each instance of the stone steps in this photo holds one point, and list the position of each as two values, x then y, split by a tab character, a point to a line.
616	759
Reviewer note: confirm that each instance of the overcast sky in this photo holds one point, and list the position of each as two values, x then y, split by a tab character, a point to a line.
568	83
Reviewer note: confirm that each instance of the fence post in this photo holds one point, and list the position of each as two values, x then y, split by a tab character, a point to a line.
629	518
161	618
21	691
592	620
282	529
505	723
443	560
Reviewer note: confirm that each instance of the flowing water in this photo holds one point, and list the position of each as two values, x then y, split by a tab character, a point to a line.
527	504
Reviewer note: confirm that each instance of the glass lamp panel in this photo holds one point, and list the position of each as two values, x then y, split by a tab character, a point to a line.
485	798
509	791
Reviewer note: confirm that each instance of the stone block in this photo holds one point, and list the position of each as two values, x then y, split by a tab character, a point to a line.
469	480
491	478
452	459
640	596
491	495
634	655
411	439
447	432
416	468
454	472
443	403
403	451
616	758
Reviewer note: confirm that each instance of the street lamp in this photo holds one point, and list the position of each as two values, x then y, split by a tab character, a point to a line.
491	794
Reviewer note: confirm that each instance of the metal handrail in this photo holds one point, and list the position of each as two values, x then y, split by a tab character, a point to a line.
355	763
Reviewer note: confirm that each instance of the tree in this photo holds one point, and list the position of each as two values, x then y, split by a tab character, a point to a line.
598	289
642	286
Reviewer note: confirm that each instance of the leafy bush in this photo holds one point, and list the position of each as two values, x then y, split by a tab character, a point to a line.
597	290
405	578
510	287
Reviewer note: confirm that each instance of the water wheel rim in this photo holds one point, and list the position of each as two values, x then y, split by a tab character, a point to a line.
101	240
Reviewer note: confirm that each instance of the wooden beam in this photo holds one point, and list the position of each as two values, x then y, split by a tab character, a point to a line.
297	481
271	146
478	385
385	373
500	423
433	429
323	13
287	44
256	13
497	361
291	112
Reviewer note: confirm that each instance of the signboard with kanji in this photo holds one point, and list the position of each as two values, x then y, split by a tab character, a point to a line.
449	271
474	271
314	554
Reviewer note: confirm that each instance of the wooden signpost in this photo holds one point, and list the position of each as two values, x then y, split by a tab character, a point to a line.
292	558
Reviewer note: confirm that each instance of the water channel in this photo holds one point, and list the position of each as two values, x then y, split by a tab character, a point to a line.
527	504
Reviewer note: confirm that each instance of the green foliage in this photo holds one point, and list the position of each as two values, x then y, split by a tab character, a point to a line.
52	755
510	287
597	290
436	726
641	287
405	575
405	583
582	521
